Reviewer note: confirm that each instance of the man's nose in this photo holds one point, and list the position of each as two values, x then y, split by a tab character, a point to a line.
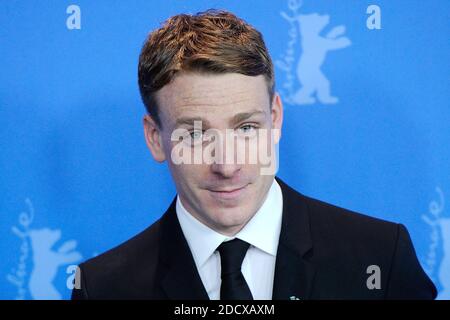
226	149
225	170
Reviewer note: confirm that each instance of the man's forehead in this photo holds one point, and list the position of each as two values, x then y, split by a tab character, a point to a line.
213	96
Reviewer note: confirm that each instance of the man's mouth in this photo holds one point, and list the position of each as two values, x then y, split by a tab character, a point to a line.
227	193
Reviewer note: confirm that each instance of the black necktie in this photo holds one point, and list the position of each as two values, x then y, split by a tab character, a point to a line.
233	286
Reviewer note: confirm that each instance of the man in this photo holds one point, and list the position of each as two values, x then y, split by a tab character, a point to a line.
234	231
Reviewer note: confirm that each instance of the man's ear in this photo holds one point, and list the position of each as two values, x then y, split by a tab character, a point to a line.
153	138
277	116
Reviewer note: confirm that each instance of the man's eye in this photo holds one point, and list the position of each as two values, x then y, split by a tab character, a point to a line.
247	128
196	135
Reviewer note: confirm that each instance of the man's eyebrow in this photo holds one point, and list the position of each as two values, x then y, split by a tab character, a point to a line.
246	115
190	121
236	118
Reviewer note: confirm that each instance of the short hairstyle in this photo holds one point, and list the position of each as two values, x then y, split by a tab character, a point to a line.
213	41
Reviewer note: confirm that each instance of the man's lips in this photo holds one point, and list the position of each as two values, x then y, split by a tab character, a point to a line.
230	193
225	190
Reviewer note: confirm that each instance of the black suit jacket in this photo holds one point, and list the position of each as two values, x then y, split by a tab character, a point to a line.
323	253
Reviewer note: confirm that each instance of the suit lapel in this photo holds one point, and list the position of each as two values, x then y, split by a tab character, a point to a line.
180	277
294	273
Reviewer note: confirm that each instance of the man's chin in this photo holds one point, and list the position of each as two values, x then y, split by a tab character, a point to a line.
229	228
227	207
230	217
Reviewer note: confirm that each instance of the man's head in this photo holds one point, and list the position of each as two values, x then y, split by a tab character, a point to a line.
215	68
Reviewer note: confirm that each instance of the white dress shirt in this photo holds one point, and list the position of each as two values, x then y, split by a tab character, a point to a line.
262	232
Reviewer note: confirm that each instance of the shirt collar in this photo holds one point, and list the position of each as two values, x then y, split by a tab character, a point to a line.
262	231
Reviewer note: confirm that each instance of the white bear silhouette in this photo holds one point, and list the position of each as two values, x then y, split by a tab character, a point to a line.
314	50
47	261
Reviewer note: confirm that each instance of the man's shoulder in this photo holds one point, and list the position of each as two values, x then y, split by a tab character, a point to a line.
127	256
347	246
326	214
334	225
363	240
339	218
130	270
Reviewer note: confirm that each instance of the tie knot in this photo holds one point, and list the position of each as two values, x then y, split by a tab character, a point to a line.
232	254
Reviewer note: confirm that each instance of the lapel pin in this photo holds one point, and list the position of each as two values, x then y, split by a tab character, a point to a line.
293	298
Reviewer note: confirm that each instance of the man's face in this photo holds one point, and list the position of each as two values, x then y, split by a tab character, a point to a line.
226	194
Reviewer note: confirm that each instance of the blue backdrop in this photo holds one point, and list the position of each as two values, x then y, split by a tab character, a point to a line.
367	123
